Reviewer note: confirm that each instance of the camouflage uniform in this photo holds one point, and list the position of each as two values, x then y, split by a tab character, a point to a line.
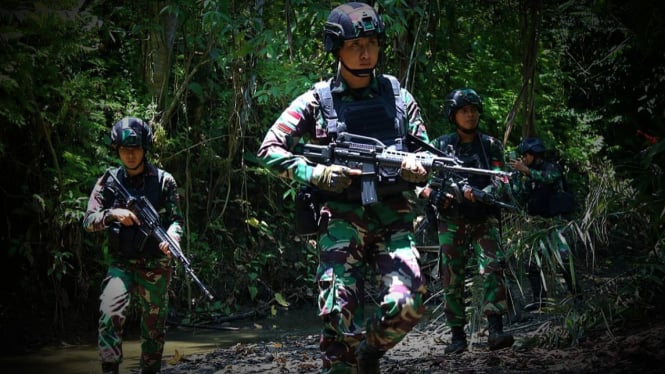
354	238
472	226
144	272
544	178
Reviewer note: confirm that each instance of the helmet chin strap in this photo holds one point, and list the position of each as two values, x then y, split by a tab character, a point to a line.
358	72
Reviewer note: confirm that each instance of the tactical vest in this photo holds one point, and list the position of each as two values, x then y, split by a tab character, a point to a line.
130	241
382	117
549	199
479	160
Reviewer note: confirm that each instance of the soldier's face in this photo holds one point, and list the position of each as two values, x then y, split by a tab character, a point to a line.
360	53
467	117
527	159
131	157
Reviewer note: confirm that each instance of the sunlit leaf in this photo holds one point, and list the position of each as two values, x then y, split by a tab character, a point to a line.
280	300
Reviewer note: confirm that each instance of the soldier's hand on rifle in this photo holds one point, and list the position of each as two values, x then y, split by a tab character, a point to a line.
412	170
125	216
439	198
164	247
334	178
468	193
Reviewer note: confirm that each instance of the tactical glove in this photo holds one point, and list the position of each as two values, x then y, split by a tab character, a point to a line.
333	178
412	170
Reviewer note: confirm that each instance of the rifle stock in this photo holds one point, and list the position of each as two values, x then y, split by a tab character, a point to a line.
150	225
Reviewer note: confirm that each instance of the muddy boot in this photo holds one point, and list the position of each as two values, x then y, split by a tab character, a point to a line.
458	343
367	358
498	339
110	368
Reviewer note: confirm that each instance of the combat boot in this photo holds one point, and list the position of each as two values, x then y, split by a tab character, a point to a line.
367	358
458	342
498	339
110	368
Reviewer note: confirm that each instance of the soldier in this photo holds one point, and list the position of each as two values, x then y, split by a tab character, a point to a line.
540	181
353	237
140	266
469	224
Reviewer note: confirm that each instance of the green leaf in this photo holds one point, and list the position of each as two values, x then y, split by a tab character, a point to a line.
280	300
252	292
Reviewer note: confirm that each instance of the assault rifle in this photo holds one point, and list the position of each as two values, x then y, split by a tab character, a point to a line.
456	190
369	154
150	225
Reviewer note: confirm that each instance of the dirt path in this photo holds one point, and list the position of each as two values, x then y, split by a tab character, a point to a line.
633	351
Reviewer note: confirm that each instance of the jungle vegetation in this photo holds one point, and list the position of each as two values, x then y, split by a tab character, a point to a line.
588	77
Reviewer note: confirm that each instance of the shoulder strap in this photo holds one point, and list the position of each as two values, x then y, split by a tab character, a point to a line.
160	180
485	145
399	105
327	106
330	115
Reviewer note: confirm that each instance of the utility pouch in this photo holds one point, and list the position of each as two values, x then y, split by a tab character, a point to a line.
562	203
307	211
126	241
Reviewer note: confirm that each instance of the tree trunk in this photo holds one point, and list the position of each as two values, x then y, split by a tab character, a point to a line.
531	28
158	54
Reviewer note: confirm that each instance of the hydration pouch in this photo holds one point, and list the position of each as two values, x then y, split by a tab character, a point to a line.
307	211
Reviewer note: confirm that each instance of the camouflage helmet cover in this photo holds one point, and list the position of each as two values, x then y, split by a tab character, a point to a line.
350	21
131	132
531	145
459	98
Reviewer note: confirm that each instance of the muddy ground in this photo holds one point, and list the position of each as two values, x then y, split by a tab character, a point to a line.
628	350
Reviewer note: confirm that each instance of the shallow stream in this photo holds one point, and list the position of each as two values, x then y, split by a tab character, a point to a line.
83	359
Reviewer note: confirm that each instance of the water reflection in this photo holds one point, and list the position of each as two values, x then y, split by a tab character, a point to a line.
83	359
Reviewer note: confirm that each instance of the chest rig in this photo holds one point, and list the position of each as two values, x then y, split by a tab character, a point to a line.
380	115
130	241
472	155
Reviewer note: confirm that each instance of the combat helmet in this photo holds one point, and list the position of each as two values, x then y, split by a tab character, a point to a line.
531	145
131	132
350	21
459	98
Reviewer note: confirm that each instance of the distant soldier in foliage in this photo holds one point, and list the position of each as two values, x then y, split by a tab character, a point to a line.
354	238
542	189
469	224
140	266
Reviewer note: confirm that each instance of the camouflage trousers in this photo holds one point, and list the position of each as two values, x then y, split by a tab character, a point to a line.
457	237
149	281
353	240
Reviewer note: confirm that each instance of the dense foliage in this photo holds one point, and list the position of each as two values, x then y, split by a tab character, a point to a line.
211	76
